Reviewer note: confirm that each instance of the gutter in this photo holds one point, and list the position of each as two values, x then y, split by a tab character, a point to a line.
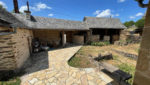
9	33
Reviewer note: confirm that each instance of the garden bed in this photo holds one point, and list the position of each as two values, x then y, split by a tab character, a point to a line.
83	56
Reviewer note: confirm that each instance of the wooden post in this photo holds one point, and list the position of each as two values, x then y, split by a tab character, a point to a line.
142	74
88	35
63	39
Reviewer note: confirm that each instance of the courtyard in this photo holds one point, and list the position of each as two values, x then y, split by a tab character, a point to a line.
51	68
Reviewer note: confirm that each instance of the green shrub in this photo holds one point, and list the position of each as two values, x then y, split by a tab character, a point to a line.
100	43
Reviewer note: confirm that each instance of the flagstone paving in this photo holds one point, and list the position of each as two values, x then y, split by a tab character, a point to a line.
60	73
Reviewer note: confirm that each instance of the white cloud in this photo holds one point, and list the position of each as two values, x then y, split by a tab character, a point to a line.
50	15
132	17
22	8
96	12
3	4
117	15
139	14
38	7
104	13
120	1
136	15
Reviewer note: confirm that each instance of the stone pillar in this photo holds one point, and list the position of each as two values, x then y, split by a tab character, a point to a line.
142	74
64	38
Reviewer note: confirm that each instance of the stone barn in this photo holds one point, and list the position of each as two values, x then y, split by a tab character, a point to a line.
15	42
104	29
17	32
53	31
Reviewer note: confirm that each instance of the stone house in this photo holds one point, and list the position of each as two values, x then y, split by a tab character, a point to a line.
104	29
18	30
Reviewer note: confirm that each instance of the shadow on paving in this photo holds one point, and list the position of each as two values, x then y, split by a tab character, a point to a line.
36	62
39	61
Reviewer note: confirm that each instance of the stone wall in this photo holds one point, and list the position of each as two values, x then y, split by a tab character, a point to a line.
94	38
78	39
7	57
142	74
50	36
115	38
23	39
124	34
106	38
14	49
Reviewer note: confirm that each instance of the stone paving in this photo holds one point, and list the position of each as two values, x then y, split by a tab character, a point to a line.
60	73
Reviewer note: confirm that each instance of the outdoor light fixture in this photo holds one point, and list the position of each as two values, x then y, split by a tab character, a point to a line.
141	4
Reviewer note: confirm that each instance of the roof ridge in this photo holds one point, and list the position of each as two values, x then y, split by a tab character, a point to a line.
49	18
101	17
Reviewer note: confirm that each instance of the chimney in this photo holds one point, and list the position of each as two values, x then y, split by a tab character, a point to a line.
28	13
16	9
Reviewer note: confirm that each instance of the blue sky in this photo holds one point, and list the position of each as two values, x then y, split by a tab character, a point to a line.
125	10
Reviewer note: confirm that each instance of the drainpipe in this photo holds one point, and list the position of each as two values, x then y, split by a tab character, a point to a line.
9	33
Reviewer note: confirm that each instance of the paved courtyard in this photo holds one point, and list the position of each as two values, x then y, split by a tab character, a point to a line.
56	70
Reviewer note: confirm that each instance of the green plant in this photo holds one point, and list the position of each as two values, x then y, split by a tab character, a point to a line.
129	69
140	23
129	23
14	81
100	43
115	57
75	61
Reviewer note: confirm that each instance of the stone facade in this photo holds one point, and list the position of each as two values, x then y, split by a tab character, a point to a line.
95	38
142	74
15	49
78	39
23	47
106	38
52	37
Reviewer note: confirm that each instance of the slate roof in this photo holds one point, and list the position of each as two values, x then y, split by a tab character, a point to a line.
51	23
8	19
19	20
104	23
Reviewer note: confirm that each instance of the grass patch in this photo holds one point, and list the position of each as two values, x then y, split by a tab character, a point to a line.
81	59
115	57
74	62
100	43
129	69
14	81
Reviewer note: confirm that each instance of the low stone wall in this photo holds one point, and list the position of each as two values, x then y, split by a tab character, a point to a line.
106	38
78	39
95	38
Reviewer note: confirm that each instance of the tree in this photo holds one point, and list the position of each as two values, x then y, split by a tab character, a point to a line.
140	23
1	7
129	23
